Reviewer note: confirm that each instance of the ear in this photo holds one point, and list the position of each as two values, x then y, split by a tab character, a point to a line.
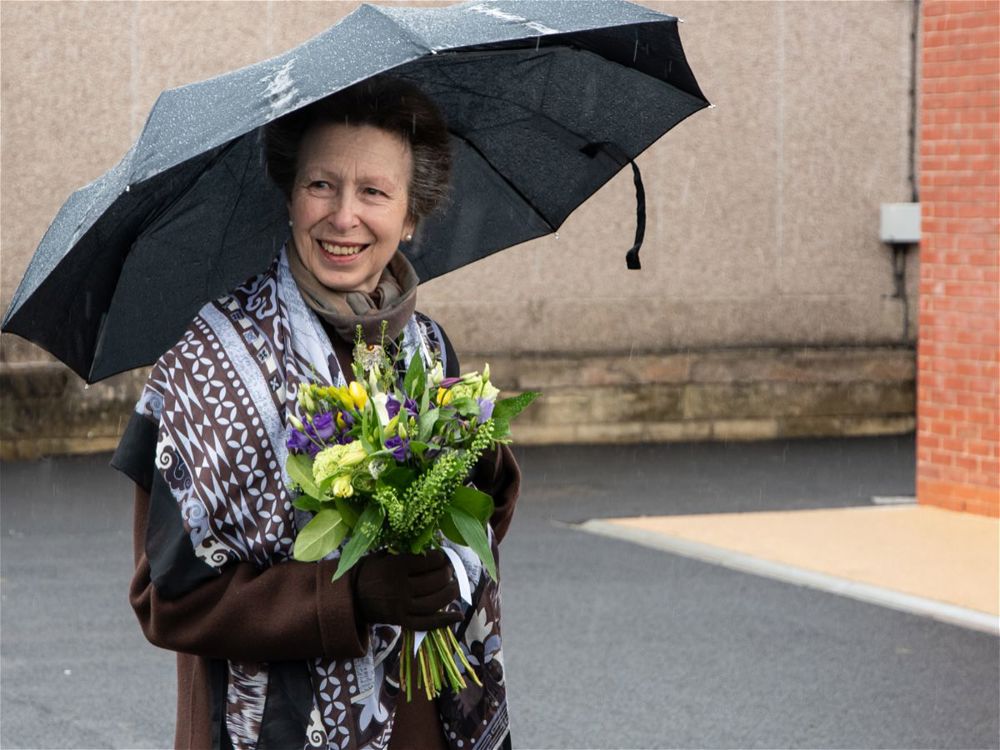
409	226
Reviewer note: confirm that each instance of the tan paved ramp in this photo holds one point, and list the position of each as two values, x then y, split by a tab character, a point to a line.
936	554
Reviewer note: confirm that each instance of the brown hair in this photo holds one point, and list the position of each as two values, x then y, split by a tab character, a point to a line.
384	102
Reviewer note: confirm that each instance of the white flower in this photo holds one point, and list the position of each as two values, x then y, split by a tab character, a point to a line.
379	403
436	374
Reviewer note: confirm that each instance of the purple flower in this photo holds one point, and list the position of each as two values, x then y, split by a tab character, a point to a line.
413	407
348	419
448	382
298	442
400	447
392	406
485	409
323	423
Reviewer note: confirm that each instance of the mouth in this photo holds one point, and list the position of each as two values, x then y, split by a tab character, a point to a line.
341	250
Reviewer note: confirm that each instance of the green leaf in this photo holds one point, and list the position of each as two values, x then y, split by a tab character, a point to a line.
398	477
419	544
450	530
501	429
415	378
474	534
347	510
426	424
467	407
366	533
477	504
508	408
321	536
306	502
419	448
299	468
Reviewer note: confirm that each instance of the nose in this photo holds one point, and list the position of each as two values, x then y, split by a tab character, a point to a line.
343	215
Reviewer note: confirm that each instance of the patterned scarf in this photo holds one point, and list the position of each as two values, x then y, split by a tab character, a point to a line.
393	300
221	397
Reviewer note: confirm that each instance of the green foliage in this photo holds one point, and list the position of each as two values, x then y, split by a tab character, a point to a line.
347	510
474	535
321	536
305	502
477	504
416	378
467	407
425	425
508	408
366	535
299	468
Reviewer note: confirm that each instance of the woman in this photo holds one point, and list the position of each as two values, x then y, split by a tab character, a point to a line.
271	653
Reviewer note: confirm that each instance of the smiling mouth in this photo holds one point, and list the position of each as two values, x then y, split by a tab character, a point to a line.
341	250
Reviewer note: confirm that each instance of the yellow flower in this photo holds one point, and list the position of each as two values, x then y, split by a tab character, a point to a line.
342	486
444	396
305	398
358	394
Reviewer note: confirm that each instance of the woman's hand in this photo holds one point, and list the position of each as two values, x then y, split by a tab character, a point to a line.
408	590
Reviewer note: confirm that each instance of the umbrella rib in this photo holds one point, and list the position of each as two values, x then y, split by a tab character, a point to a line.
503	177
232	209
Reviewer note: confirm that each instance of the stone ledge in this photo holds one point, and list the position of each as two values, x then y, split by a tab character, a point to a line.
750	394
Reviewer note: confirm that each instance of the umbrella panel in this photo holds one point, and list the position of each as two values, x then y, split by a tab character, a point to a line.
226	228
515	183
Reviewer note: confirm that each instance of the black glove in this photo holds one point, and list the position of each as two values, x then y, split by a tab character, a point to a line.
408	590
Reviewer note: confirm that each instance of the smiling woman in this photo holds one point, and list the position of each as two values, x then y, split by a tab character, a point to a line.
359	170
271	652
348	205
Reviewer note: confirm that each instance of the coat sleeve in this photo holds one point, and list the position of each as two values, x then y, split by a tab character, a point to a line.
288	611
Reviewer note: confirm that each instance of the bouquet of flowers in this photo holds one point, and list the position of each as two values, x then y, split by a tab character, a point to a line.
385	464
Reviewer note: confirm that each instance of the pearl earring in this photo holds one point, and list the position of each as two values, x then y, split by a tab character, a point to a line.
289	222
408	237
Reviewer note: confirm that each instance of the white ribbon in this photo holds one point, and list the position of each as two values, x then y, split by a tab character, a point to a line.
464	590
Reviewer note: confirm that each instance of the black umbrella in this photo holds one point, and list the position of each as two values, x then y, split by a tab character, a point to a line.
546	101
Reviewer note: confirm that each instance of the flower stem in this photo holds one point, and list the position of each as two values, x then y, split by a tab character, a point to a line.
448	660
406	665
461	655
425	669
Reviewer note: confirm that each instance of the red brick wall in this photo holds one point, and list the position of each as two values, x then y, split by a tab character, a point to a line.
958	443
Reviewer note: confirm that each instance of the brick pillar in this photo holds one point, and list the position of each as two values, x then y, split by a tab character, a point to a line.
958	350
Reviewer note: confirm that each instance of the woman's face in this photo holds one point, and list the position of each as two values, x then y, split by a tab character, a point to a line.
349	203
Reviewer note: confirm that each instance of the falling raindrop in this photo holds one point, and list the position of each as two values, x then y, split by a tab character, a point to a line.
538	41
557	235
128	188
635	50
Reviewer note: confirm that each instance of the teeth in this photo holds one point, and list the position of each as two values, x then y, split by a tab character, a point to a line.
341	249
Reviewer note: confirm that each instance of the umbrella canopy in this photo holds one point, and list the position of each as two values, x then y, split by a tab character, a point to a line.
545	102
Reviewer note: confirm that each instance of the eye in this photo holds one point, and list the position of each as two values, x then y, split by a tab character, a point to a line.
373	191
319	185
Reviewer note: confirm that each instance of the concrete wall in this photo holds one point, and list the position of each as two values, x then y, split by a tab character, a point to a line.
762	231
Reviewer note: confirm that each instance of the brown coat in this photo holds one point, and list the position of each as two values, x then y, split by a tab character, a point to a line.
252	615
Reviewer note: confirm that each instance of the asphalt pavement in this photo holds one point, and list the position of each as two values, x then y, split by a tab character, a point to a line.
607	644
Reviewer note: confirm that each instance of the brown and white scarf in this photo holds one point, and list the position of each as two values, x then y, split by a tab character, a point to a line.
221	397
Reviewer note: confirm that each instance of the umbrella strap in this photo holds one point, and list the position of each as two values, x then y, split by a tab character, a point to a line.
616	153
